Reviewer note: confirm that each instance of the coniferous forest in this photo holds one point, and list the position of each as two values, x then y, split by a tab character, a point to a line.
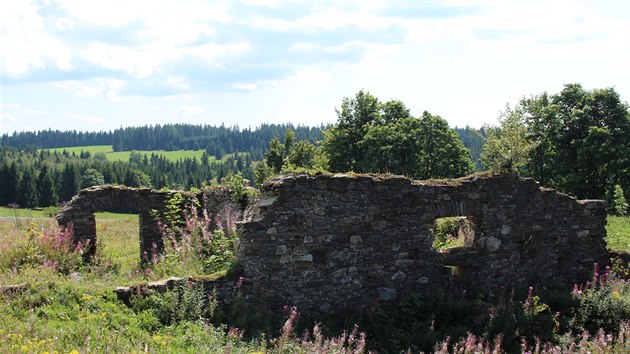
33	176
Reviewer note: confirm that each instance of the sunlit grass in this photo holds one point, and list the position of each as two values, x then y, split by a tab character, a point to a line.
124	155
618	230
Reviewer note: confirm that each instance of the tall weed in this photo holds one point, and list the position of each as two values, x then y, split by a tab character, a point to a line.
51	247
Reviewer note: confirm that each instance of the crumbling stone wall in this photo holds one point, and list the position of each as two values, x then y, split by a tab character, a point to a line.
79	212
338	242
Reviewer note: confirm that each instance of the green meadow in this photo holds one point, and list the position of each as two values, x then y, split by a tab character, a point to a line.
24	213
124	155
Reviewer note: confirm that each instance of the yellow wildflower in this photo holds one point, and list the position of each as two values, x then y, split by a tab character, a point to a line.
616	294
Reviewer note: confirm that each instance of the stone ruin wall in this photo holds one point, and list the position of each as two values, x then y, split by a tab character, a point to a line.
79	212
331	242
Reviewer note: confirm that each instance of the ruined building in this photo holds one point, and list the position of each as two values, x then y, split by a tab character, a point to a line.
348	241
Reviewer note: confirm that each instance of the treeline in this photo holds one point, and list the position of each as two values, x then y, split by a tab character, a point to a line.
33	178
217	141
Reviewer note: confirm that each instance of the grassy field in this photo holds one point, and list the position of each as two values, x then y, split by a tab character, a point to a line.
44	213
124	155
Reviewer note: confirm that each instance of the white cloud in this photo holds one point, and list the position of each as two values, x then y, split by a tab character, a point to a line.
25	43
94	88
11	110
245	87
264	3
189	110
85	119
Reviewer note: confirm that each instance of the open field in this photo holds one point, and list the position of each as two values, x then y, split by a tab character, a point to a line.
124	155
42	213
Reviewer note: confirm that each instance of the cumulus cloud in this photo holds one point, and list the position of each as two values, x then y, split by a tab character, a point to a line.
26	44
146	51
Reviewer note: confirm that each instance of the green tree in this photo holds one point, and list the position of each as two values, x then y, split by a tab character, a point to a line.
8	187
91	177
507	148
342	142
27	189
383	137
46	188
302	154
580	139
262	172
274	157
137	178
441	153
289	140
419	148
69	182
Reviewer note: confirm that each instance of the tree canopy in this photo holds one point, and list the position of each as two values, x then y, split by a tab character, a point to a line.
371	136
579	140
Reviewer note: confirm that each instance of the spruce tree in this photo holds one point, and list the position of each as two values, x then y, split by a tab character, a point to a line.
69	182
27	189
46	188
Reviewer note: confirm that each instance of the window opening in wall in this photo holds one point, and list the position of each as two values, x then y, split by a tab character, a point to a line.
453	232
117	235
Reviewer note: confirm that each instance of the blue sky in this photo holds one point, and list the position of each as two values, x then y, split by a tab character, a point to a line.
100	65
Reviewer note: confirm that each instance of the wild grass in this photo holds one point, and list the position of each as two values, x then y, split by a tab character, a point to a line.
68	310
618	233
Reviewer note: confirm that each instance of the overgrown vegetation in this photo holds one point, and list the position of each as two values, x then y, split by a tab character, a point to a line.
446	233
72	307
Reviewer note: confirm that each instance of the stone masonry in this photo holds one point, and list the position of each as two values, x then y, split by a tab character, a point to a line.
79	212
331	242
338	242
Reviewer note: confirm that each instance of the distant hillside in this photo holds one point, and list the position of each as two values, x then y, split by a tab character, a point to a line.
216	141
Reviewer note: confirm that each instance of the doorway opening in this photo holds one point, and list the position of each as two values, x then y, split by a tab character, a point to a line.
118	235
